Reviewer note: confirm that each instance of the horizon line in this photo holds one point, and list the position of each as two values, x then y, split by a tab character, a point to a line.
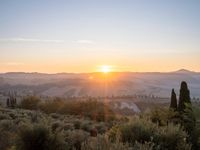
35	72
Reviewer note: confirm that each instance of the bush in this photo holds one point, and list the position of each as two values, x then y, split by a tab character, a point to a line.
56	126
75	139
145	146
38	138
140	130
86	126
7	125
4	116
30	102
52	106
171	137
102	143
101	128
93	109
77	124
163	116
6	139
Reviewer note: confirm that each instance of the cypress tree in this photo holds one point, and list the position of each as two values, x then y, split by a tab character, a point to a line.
8	102
184	96
173	103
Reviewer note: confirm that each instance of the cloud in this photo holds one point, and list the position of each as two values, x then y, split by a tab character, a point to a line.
29	40
85	42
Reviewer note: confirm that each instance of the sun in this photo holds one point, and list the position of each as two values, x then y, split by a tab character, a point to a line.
105	69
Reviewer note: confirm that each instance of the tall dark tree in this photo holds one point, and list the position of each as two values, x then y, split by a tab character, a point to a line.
8	102
184	97
173	103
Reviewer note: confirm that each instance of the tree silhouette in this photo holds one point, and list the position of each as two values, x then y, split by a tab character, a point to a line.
184	96
8	102
173	103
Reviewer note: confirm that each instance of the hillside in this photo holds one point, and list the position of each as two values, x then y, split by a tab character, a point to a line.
98	84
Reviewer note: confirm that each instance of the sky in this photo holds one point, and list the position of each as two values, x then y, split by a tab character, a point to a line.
80	35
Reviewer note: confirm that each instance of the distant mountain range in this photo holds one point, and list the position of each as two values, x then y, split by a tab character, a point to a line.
99	84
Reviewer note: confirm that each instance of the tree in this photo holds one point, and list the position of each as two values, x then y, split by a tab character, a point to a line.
184	96
173	103
11	102
30	102
8	102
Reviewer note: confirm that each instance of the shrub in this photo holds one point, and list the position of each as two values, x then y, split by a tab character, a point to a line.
6	139
56	126
86	126
7	125
4	116
171	137
77	124
68	126
140	130
52	106
145	146
195	138
40	138
101	127
75	139
102	143
30	102
163	116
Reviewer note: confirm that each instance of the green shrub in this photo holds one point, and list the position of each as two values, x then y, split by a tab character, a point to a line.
163	116
38	138
7	125
140	130
30	102
195	137
102	143
68	126
51	106
4	116
86	126
172	137
56	126
12	115
6	139
145	146
75	139
77	124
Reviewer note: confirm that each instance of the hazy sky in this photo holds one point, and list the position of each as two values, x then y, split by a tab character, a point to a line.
80	35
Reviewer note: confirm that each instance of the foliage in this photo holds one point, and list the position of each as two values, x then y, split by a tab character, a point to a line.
173	104
184	97
92	109
159	129
103	143
163	116
75	138
38	137
5	139
142	130
30	102
171	137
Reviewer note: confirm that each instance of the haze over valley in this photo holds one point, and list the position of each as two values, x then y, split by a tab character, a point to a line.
99	84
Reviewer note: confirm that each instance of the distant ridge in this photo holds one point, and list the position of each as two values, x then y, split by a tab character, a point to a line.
181	71
184	71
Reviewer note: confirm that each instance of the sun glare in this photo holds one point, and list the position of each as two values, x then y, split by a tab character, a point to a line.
105	69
